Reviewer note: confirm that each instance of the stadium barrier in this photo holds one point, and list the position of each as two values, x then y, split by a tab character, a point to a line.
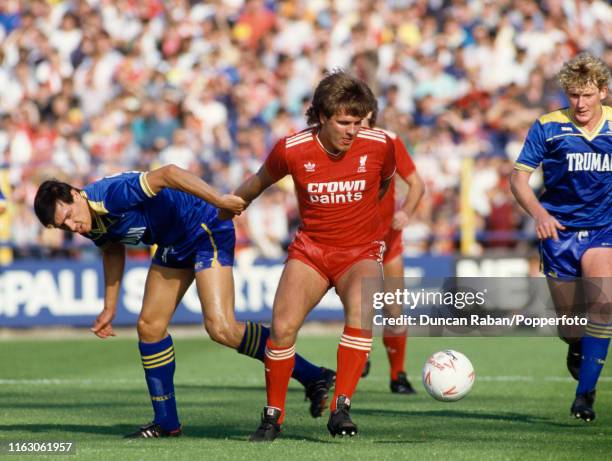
65	292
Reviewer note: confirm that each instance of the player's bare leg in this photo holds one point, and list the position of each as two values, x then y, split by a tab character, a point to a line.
568	299
349	289
216	292
597	274
300	289
164	289
356	341
597	266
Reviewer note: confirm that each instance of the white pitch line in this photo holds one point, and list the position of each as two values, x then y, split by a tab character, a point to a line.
251	381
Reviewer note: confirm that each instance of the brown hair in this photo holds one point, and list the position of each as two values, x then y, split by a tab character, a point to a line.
338	93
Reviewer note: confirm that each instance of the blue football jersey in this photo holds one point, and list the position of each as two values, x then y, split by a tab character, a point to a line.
577	168
127	211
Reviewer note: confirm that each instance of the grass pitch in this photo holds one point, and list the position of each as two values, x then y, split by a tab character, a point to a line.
92	392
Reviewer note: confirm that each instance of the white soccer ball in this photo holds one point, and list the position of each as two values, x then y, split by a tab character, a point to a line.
448	375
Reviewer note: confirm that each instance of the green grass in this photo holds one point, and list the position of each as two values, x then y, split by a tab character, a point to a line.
91	392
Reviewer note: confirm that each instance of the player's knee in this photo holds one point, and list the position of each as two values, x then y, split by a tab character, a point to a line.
284	333
150	330
392	311
219	331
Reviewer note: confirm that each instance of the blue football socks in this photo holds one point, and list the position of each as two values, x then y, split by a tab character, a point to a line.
253	344
594	351
159	364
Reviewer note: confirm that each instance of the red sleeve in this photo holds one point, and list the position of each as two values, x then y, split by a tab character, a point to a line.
276	163
388	168
405	165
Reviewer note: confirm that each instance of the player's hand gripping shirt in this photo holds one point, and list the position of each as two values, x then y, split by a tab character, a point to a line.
405	167
577	168
337	196
127	211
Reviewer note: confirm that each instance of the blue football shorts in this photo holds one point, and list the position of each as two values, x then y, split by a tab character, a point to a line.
212	246
561	258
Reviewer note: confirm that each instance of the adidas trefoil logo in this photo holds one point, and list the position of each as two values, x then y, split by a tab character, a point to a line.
310	167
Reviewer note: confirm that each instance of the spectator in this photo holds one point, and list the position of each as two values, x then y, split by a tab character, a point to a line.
90	88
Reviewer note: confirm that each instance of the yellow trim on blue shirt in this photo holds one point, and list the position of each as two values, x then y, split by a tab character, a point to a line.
559	116
98	207
144	183
565	116
590	135
523	167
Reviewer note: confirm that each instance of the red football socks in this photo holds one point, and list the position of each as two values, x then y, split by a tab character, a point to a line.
279	363
352	355
396	351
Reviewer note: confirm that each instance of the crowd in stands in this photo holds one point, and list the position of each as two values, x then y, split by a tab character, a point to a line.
90	88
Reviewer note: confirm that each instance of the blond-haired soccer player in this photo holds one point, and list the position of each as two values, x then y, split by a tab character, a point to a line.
573	217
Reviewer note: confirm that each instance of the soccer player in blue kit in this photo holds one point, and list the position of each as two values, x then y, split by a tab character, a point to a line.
573	217
179	212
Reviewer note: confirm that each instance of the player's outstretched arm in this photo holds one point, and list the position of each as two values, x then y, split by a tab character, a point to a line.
175	177
113	260
401	218
546	225
250	189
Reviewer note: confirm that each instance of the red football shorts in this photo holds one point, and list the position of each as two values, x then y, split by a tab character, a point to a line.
393	245
330	261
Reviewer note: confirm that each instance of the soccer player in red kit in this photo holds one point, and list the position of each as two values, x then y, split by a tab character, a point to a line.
394	220
340	171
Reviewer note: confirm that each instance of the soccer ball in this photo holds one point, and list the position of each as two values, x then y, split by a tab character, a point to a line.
448	376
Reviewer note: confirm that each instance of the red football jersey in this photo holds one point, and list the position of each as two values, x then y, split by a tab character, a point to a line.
337	196
405	167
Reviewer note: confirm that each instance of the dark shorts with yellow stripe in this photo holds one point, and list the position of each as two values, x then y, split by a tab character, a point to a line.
561	258
212	246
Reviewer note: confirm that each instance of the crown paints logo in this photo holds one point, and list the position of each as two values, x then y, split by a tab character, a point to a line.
336	192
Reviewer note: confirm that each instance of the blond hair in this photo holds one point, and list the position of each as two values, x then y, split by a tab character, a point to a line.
583	70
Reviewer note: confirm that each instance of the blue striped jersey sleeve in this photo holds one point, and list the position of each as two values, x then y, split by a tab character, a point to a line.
533	150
